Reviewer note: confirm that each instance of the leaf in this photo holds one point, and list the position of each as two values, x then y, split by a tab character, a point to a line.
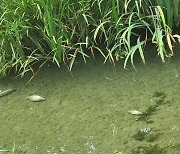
162	16
97	29
169	42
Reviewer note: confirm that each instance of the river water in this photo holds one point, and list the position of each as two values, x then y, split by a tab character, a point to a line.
86	111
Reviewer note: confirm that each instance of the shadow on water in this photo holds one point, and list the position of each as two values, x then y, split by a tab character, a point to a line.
159	99
78	112
149	150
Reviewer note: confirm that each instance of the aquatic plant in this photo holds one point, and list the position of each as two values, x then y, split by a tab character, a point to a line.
114	132
58	31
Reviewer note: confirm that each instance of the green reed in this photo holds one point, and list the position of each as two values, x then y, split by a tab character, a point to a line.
171	11
34	31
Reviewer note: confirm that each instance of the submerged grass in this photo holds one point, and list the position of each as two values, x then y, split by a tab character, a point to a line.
58	31
12	151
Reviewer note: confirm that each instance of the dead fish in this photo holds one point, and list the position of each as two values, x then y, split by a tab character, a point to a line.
135	112
35	98
6	92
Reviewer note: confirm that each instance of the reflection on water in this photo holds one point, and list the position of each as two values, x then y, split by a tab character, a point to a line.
78	112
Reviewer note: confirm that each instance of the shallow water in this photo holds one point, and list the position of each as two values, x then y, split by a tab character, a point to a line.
88	113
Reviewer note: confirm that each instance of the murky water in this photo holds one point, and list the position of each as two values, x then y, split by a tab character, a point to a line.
88	113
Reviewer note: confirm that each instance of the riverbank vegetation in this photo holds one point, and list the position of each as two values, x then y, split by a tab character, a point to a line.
34	31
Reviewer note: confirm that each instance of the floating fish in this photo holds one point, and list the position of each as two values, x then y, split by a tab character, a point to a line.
135	112
6	92
35	98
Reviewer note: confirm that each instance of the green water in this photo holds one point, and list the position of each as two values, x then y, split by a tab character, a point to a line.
88	113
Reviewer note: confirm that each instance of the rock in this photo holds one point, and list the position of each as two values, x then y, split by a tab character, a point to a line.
35	98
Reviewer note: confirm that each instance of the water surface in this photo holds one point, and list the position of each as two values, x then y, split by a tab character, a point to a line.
87	111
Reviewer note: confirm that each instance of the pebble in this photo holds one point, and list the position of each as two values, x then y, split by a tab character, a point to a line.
145	130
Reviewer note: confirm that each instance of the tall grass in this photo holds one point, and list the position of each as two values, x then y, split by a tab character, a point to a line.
57	31
170	10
